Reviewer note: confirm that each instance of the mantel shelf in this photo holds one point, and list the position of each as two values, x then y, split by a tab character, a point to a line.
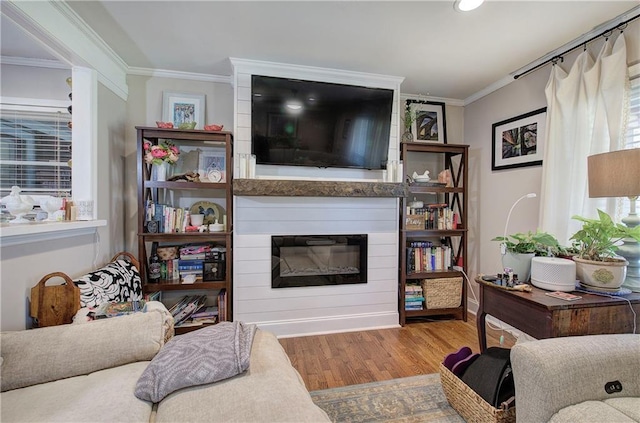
300	188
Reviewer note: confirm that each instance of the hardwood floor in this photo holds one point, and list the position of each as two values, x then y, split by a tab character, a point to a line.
334	360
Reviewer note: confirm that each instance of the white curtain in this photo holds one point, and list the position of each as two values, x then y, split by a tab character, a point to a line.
586	114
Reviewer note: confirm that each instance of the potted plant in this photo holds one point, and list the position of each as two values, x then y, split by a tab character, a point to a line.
596	261
520	248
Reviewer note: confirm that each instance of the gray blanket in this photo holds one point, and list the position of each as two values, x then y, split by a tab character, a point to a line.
204	356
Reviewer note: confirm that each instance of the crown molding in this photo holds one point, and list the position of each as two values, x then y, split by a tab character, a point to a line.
34	63
314	73
488	90
163	73
67	36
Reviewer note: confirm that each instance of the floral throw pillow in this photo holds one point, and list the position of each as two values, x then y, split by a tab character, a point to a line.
117	281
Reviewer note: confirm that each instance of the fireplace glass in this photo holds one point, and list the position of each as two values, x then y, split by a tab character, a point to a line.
315	260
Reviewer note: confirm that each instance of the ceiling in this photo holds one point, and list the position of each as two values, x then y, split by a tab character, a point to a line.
440	52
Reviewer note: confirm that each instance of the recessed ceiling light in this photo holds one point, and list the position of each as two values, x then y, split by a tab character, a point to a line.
466	5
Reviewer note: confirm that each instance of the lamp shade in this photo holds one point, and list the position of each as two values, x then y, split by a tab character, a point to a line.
614	174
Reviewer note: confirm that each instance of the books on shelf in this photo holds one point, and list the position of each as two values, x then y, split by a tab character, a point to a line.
424	256
413	298
434	216
186	306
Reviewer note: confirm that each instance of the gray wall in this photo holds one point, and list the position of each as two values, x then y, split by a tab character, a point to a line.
22	266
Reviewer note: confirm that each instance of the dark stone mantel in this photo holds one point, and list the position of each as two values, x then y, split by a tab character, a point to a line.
301	188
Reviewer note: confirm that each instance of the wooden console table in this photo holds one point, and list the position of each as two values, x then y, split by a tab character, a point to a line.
541	316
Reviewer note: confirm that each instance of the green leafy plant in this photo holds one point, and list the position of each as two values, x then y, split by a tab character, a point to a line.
408	118
597	239
539	243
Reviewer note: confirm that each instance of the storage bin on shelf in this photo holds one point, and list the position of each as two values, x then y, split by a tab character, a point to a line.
471	406
442	292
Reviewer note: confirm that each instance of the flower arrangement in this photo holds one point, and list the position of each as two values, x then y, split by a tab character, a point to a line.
163	152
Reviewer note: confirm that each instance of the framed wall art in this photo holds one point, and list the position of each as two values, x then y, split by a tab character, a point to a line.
430	121
183	108
519	141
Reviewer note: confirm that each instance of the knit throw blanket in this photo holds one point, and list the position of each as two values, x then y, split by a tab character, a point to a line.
203	356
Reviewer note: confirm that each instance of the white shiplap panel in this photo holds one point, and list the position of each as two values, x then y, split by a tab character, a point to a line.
311	302
244	107
317	202
244	79
282	315
258	274
318	227
244	121
244	133
244	93
292	214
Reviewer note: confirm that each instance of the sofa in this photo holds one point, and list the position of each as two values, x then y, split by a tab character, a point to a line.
578	379
89	372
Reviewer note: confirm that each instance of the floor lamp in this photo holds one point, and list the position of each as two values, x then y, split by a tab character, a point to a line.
617	174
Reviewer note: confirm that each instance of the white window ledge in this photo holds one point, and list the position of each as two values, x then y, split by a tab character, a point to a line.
14	234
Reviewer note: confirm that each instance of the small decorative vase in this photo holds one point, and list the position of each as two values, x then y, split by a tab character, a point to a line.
407	136
160	172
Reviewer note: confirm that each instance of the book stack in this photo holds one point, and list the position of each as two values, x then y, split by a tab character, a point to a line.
184	309
424	256
191	261
436	216
206	315
414	298
162	218
222	305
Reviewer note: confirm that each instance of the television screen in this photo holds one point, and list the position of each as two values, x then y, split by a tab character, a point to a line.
306	123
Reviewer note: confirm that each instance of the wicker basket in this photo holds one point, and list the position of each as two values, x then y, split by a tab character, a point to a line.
471	406
442	292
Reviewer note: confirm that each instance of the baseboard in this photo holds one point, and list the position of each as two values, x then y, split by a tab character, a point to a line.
333	324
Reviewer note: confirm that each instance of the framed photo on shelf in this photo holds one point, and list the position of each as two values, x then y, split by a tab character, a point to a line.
519	141
430	121
212	166
183	108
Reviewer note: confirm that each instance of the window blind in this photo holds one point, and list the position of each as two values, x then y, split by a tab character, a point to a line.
633	124
35	151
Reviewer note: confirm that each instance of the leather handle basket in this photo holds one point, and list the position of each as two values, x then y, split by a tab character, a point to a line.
55	304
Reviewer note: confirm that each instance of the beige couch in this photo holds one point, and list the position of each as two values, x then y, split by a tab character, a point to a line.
566	379
88	372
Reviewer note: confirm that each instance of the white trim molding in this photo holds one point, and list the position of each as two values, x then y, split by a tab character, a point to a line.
65	35
41	231
164	73
33	63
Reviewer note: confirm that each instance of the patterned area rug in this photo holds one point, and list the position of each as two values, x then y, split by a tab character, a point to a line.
410	399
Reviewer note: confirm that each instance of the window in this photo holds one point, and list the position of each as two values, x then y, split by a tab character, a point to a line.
35	152
632	139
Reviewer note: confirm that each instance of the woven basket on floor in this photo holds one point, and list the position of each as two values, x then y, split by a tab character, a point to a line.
471	406
442	292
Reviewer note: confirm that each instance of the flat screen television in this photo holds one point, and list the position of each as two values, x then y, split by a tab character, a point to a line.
307	123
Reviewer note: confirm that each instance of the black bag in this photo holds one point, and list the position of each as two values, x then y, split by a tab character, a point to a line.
490	376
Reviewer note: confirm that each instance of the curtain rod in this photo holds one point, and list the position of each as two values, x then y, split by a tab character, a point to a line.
621	26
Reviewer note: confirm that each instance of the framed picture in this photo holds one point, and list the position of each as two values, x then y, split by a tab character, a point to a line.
519	141
212	166
430	121
183	108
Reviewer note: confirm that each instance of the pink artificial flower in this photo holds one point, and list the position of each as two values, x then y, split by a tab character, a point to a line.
158	152
174	150
147	145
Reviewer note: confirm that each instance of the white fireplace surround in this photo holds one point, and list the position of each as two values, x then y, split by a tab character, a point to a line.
320	309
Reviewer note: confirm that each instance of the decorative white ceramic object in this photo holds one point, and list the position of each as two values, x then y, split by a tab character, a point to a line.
18	205
51	205
421	178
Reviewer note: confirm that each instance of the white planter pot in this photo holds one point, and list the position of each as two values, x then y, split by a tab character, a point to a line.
520	263
601	274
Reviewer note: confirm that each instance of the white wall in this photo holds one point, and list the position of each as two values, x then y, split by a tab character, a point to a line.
492	193
43	83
